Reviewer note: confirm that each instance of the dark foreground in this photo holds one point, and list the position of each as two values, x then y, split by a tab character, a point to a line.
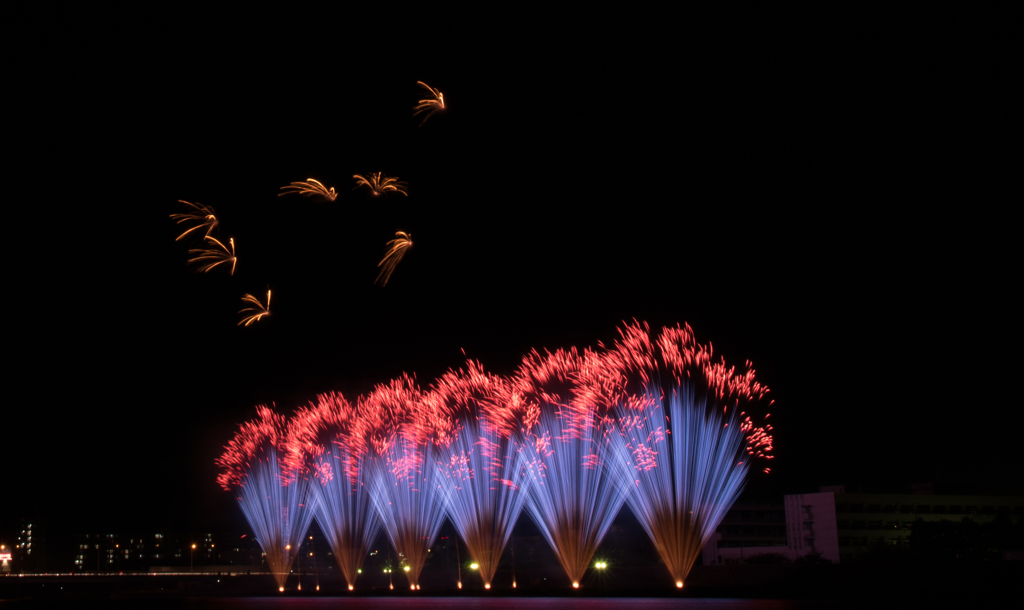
724	587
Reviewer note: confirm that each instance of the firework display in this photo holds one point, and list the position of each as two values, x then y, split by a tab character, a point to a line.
573	497
324	446
202	215
207	259
276	504
309	188
397	248
655	423
255	310
683	445
201	219
379	184
397	421
431	105
484	479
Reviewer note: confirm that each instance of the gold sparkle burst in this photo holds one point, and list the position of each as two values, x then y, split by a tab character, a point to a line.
201	214
397	248
209	258
309	188
431	105
379	184
255	310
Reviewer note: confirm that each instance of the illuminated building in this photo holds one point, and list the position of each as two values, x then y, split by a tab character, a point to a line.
160	552
29	554
842	526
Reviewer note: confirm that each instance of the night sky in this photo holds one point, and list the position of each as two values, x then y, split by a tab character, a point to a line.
815	195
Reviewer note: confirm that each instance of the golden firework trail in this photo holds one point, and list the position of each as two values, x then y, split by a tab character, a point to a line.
255	311
309	188
396	250
201	214
379	184
428	105
208	258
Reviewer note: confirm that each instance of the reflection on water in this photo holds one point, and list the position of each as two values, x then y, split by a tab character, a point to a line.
506	603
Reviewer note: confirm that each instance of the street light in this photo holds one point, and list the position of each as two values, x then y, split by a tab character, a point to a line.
191	559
